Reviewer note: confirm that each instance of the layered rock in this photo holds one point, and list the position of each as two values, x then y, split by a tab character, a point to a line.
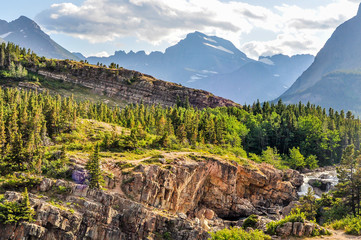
183	199
230	190
300	229
97	215
131	86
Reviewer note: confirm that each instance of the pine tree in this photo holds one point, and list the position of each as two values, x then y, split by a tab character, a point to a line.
2	55
93	166
348	173
25	208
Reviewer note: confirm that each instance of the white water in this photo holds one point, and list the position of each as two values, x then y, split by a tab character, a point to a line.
331	177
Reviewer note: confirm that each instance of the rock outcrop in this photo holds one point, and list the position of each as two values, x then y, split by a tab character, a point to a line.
300	229
92	214
231	190
180	199
131	86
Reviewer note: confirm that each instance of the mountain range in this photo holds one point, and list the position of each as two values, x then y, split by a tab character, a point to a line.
334	78
26	33
199	61
215	64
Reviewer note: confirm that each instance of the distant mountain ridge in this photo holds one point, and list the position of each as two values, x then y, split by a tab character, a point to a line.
196	56
199	61
215	64
26	33
339	61
263	80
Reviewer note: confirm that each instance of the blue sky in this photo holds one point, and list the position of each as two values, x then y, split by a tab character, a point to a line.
257	27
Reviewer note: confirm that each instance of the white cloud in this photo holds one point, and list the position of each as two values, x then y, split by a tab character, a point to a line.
298	30
100	54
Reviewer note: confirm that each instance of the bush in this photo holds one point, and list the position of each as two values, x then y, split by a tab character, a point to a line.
16	182
296	216
239	233
56	169
351	225
13	212
251	221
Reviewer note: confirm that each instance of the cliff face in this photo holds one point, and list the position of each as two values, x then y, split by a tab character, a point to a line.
230	190
182	199
131	86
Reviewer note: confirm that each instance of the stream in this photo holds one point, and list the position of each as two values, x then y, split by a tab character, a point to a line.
321	181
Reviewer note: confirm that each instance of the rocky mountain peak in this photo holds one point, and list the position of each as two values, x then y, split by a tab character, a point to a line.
24	22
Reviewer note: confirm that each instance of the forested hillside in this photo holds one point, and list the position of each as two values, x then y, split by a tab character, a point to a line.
49	141
314	131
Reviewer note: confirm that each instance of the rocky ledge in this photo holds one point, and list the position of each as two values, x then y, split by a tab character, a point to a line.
131	86
180	199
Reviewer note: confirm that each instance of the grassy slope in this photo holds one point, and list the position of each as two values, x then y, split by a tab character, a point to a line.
64	89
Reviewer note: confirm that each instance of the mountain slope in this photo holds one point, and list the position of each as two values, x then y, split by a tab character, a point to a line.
264	79
119	84
341	52
215	64
26	33
198	55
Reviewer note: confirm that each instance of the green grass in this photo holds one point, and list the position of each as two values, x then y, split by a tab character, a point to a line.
64	89
239	234
351	225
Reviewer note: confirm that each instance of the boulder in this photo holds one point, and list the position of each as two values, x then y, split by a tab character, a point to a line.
209	214
79	176
284	230
287	210
46	184
308	228
298	229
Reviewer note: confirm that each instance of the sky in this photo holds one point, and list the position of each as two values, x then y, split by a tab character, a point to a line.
256	27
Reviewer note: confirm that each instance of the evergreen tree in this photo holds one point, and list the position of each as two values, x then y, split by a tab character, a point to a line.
348	175
26	210
296	159
93	166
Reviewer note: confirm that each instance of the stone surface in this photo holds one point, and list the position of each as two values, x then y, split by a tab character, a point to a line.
131	86
287	210
285	230
308	228
230	191
183	200
298	229
79	176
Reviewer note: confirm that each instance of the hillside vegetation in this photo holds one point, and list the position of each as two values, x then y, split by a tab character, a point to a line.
267	130
44	134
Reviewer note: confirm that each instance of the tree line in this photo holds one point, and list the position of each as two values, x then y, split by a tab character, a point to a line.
298	133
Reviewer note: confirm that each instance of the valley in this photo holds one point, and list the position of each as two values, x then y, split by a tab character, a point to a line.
229	147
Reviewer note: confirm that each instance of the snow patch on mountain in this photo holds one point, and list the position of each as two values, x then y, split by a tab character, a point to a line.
219	48
209	40
267	61
5	35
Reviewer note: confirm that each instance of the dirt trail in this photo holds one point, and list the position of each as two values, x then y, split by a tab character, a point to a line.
336	235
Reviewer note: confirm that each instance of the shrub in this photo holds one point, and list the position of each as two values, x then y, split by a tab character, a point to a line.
251	221
296	216
61	189
56	169
238	233
351	225
16	182
13	212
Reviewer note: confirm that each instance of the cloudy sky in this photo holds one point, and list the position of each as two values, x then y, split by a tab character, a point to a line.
256	27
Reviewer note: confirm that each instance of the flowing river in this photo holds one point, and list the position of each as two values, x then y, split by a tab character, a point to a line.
321	181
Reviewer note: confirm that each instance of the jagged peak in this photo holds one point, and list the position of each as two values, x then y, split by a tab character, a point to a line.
196	33
24	21
359	11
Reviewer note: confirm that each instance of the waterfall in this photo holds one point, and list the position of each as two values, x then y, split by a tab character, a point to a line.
326	178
